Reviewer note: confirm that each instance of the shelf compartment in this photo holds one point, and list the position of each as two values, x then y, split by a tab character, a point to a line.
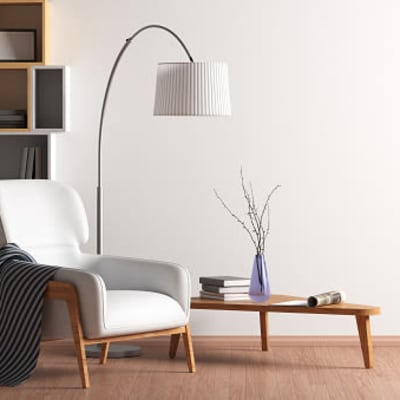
11	151
49	105
14	93
26	15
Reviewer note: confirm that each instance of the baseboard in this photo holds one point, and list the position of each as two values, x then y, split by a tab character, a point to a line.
387	341
302	340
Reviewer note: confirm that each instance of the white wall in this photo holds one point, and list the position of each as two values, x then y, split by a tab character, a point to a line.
315	93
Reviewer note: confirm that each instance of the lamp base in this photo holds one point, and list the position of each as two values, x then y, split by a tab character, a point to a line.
115	351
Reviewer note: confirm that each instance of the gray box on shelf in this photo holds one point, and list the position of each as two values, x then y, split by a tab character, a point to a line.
17	45
50	98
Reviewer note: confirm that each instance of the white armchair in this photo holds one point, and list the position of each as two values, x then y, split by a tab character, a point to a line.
107	299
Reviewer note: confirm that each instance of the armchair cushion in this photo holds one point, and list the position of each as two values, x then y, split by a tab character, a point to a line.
134	311
122	273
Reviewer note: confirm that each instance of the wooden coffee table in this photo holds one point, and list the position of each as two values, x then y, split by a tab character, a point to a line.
360	312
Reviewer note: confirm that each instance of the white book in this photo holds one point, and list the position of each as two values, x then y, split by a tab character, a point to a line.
30	163
232	289
224	296
24	159
38	163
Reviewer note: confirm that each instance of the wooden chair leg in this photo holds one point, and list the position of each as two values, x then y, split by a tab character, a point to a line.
187	340
173	345
82	363
67	292
104	352
77	333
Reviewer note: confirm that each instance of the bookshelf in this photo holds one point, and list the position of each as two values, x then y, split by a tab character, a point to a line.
11	160
33	105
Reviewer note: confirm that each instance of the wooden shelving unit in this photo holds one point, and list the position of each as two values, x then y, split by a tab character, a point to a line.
34	87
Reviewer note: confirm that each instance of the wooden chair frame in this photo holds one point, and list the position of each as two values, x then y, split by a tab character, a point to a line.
67	292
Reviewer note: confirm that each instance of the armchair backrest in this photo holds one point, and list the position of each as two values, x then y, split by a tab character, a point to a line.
41	215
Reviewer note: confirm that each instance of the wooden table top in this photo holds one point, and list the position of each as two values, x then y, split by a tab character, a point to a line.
198	303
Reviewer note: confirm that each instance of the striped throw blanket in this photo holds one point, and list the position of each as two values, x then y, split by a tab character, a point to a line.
22	286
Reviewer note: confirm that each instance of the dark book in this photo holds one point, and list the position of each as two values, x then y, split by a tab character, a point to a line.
24	161
12	112
10	124
224	281
30	163
219	289
224	296
38	174
12	118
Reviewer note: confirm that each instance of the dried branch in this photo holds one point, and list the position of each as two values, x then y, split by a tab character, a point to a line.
260	229
252	212
268	199
268	219
256	219
266	231
236	217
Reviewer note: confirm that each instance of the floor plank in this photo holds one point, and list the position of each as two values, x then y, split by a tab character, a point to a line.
225	370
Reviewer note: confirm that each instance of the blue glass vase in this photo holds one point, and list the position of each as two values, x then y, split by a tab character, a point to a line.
259	283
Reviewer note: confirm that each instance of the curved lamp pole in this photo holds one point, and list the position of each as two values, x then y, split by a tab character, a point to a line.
189	89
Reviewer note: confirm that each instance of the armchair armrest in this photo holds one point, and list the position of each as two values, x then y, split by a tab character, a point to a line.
122	273
92	298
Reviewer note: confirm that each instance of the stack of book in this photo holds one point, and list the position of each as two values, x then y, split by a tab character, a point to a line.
12	119
224	288
31	163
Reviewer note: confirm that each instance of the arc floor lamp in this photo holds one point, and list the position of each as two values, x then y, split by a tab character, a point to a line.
182	89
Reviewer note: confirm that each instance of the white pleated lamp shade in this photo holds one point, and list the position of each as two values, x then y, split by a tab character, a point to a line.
192	89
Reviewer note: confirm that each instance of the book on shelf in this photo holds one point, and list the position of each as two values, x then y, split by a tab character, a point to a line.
12	112
38	163
12	125
12	119
223	296
224	281
221	289
24	161
31	163
322	299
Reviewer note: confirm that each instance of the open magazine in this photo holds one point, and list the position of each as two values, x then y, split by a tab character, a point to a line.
331	297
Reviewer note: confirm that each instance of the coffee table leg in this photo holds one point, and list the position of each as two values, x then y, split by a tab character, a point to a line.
264	331
364	332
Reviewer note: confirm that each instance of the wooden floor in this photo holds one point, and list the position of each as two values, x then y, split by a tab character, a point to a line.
230	369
